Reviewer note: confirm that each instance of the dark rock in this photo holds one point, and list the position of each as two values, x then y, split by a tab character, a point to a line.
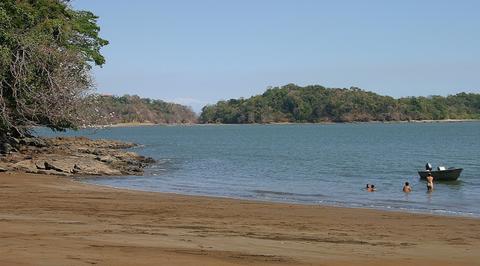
40	165
35	142
5	148
147	160
86	150
49	166
133	169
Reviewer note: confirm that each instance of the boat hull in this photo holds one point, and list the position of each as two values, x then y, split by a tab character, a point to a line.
442	175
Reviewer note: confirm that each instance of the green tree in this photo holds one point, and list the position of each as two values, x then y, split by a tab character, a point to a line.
47	50
292	103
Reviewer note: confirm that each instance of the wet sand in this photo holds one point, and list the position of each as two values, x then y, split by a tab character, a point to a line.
48	220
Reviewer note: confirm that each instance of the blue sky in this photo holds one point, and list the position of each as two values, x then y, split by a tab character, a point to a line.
199	52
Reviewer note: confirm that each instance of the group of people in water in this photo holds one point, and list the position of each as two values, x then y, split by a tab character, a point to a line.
406	187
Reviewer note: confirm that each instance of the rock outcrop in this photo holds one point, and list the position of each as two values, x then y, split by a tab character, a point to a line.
74	156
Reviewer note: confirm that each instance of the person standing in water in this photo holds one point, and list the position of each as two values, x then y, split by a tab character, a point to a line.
429	182
407	188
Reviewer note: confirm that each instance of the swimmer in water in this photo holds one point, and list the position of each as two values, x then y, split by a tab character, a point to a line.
407	188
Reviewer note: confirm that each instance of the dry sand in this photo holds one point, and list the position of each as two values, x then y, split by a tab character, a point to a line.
48	220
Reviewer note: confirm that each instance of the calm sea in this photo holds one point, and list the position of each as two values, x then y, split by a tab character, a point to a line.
309	164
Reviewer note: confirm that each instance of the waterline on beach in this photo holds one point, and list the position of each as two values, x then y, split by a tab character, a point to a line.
310	164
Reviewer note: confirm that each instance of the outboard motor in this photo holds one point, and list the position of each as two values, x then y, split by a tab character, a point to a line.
428	167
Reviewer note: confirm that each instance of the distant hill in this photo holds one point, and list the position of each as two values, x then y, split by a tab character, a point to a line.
292	103
133	109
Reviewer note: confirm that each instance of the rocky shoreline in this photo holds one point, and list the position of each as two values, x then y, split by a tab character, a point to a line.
73	156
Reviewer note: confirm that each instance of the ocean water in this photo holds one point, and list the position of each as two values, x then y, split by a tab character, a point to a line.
327	164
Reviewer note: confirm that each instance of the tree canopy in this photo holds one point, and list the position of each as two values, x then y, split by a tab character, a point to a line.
133	109
47	50
292	103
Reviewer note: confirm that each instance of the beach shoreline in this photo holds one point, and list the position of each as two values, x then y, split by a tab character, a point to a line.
51	220
439	213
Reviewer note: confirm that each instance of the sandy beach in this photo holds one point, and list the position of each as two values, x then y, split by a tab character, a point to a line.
49	220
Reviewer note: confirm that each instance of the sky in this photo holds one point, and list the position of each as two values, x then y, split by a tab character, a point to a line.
198	52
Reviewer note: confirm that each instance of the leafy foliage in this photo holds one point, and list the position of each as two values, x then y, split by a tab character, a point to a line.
133	109
46	52
313	104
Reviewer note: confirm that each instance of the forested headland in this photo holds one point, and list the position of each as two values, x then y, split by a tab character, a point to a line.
313	104
133	109
47	51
